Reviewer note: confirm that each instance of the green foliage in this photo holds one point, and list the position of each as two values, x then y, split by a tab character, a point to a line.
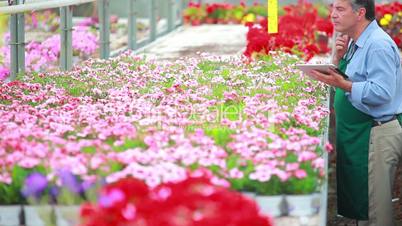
11	193
306	185
218	90
231	111
247	167
322	10
208	66
220	135
273	186
89	150
296	186
130	143
259	10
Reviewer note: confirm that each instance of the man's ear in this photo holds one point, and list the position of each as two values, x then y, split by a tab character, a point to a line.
362	13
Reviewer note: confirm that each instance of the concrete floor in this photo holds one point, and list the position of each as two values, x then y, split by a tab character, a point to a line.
222	40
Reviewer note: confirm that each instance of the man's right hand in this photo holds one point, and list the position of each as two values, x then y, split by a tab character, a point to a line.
341	46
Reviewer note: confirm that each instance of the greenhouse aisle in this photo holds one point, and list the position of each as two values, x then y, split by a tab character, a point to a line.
220	40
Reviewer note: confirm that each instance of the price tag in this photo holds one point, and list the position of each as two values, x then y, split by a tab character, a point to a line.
272	16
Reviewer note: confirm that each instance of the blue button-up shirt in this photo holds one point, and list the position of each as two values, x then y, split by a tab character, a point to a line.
376	75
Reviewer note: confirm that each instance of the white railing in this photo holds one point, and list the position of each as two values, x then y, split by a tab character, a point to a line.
17	27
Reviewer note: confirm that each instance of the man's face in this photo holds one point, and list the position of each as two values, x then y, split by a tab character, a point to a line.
343	16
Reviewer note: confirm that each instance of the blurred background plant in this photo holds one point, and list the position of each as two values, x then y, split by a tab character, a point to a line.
389	16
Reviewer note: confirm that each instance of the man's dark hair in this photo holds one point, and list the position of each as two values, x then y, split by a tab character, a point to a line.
369	5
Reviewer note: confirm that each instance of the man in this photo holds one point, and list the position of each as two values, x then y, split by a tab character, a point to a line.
367	108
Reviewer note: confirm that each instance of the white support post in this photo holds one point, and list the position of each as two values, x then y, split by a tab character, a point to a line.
132	25
104	27
66	25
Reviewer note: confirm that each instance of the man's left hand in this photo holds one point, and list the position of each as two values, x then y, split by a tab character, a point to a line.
333	78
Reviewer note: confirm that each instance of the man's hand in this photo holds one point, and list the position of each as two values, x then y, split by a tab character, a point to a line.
341	46
332	79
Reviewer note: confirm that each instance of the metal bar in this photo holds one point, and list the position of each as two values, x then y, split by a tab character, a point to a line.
183	6
152	19
5	3
170	14
66	26
40	5
21	41
132	25
13	46
324	189
104	27
162	33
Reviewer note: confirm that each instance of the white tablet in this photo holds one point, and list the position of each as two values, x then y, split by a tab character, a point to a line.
307	68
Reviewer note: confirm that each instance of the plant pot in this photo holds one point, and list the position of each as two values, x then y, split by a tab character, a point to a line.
303	205
271	205
249	194
209	21
9	215
43	215
68	215
196	22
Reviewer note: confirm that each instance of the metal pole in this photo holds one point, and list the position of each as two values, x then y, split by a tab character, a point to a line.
21	40
132	25
152	20
66	25
183	5
104	27
170	14
13	46
38	5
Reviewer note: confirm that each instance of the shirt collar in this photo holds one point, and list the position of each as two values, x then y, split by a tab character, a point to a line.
366	33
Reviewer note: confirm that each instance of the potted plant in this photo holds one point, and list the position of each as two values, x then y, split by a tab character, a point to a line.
54	205
239	171
269	187
35	190
302	189
11	199
194	14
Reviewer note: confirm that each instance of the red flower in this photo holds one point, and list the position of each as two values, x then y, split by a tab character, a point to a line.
298	29
192	202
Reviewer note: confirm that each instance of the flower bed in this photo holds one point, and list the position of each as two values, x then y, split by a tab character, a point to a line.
302	31
305	30
389	17
223	13
249	124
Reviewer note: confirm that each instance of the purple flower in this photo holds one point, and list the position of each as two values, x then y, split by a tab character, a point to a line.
4	73
70	181
34	185
54	192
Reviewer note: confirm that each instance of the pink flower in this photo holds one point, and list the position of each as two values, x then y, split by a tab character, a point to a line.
318	163
300	174
292	166
230	96
235	173
220	182
306	156
4	72
328	147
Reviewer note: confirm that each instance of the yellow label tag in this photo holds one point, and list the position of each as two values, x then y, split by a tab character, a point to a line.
272	16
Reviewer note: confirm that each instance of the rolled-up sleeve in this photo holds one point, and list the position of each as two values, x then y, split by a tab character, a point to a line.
380	85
